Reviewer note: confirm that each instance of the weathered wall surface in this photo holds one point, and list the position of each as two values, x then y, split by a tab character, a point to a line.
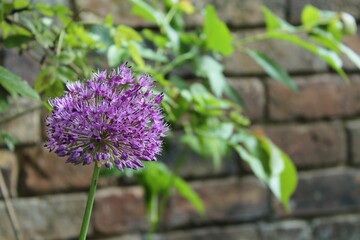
319	127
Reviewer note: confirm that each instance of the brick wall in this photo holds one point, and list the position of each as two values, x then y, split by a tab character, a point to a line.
319	127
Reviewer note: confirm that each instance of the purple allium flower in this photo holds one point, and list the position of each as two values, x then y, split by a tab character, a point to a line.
113	119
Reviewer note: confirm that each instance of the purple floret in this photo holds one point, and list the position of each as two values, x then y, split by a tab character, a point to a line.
113	119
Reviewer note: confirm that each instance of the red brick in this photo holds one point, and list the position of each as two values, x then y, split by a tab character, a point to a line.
325	192
46	172
227	200
21	64
251	90
24	121
319	96
121	10
337	227
350	6
123	237
48	217
243	232
311	145
285	230
10	171
119	210
289	56
353	130
237	13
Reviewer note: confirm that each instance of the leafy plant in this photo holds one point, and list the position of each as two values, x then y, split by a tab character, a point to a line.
207	111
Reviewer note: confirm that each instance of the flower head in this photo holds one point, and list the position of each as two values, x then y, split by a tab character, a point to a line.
113	119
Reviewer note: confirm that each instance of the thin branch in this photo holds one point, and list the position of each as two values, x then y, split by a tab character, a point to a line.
10	209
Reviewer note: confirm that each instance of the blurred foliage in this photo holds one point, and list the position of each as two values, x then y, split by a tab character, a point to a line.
208	111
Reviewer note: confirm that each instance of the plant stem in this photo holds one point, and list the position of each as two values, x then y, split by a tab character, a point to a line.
10	209
256	38
158	209
90	203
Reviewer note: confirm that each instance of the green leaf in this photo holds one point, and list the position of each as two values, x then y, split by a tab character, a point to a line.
339	24
67	57
284	185
273	69
238	118
276	165
148	12
127	33
353	56
115	55
158	39
233	94
254	162
5	8
326	39
188	193
65	19
212	147
45	79
251	151
78	37
14	85
273	22
4	103
144	10
330	57
5	28
16	40
283	179
158	179
335	28
65	74
152	55
180	59
55	90
211	69
182	85
268	163
191	38
18	4
62	10
136	56
109	20
172	34
310	16
51	80
218	35
330	41
45	9
192	141
101	34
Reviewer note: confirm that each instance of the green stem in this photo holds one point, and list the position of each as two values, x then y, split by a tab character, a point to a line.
269	35
256	38
154	214
179	60
90	203
171	13
157	210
